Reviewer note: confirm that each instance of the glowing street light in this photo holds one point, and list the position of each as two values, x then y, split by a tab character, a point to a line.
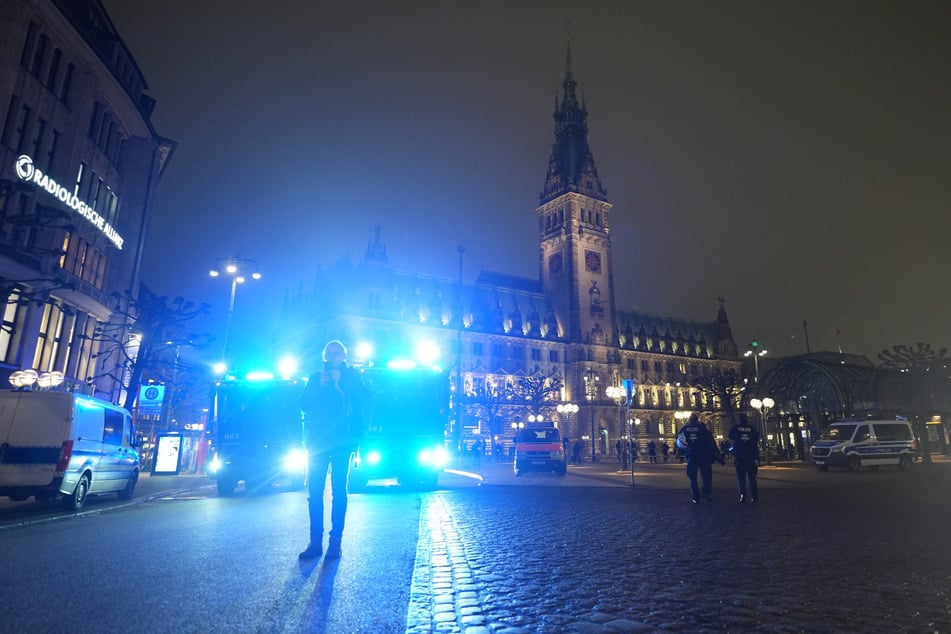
763	406
236	267
567	409
756	352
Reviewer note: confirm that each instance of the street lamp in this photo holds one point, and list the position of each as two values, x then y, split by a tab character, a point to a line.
756	352
617	393
236	267
591	380
763	406
567	409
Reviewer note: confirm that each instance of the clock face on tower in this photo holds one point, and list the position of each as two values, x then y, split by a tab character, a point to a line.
554	263
592	261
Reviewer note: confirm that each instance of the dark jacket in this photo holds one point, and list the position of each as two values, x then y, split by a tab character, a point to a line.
745	439
334	406
698	442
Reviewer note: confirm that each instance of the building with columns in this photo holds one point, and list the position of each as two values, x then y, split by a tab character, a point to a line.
517	347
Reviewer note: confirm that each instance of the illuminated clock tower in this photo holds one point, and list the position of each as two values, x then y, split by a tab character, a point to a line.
574	234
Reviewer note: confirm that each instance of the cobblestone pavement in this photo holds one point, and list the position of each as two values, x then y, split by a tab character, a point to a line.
862	552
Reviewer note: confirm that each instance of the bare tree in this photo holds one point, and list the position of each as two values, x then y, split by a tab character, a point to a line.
723	386
492	399
155	329
534	391
923	369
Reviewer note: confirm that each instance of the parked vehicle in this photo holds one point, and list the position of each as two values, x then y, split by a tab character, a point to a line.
857	444
59	443
259	436
539	449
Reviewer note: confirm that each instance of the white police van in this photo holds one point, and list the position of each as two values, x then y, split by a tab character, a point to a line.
59	443
857	444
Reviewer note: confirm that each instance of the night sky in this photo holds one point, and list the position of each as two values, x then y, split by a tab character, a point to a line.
793	158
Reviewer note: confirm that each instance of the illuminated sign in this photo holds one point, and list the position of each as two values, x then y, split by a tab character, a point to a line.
151	398
168	454
28	172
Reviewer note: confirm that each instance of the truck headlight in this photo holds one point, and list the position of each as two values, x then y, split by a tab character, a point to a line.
373	457
215	465
435	457
295	461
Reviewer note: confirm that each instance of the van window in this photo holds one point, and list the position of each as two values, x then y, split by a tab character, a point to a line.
862	434
539	435
112	429
886	432
838	432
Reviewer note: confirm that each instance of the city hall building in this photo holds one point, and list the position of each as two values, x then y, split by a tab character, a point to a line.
518	348
79	164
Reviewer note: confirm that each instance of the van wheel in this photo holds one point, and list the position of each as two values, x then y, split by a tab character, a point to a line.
904	463
126	493
77	498
854	463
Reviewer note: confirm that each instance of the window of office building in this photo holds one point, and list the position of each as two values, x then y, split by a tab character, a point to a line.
83	260
48	341
14	315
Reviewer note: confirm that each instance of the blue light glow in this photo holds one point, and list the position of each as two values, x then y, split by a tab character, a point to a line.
436	457
295	461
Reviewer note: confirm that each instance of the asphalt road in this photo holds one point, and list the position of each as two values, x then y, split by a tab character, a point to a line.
820	552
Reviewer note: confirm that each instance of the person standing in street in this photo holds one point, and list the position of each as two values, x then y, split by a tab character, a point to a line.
745	451
332	403
701	449
652	451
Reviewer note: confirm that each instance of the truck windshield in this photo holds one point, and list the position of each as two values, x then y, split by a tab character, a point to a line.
838	432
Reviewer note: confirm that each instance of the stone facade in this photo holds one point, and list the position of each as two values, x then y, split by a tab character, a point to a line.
562	330
79	164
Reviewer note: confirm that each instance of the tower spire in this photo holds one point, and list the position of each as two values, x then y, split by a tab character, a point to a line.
571	166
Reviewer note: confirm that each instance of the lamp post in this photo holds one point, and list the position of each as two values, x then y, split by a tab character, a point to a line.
616	392
236	267
567	409
457	400
763	406
756	352
591	380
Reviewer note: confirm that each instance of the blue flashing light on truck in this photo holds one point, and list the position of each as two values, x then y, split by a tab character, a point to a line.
405	436
259	436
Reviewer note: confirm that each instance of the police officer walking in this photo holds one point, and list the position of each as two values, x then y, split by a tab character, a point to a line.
701	449
745	450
